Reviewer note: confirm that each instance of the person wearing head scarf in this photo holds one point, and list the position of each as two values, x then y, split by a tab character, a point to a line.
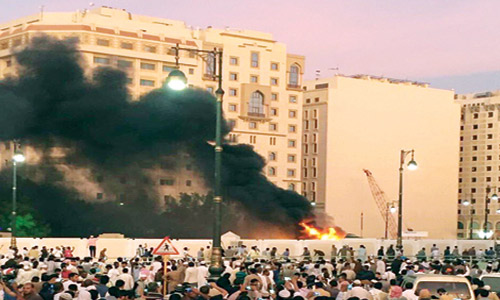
396	293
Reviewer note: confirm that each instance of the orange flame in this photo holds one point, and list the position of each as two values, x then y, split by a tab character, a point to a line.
330	233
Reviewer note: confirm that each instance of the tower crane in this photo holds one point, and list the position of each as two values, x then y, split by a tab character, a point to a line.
383	205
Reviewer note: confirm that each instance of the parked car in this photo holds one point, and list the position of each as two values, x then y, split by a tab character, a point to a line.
456	286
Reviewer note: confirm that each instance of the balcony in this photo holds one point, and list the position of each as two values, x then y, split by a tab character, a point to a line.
294	87
256	114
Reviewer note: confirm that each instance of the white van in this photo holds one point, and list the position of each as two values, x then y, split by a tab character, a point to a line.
456	286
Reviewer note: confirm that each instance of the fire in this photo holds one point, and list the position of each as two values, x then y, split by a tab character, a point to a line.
330	233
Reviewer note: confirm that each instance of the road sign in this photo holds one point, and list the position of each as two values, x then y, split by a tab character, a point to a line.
166	248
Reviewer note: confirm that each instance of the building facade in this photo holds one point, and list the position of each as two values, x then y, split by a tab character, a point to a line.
363	122
262	82
479	173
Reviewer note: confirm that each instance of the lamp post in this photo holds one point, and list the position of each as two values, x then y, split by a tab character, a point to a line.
392	209
412	165
494	197
18	157
176	80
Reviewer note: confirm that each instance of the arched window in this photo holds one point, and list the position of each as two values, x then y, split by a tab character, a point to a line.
489	226
256	104
291	187
272	156
497	226
294	75
272	171
460	225
475	225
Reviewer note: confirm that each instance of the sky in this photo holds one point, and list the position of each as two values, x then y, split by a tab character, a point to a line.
452	44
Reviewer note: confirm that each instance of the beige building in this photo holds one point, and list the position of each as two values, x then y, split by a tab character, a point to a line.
479	162
262	82
363	122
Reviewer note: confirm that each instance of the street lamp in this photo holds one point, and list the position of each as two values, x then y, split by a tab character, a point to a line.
471	213
392	209
18	157
412	165
493	197
176	80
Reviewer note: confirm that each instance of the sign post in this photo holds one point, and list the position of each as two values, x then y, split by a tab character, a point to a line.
165	249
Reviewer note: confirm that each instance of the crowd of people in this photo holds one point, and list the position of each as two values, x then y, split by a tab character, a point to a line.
249	274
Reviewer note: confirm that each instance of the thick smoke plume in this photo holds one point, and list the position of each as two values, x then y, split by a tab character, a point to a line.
52	103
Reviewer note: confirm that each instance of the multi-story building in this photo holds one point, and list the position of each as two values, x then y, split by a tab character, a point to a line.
351	123
263	98
479	173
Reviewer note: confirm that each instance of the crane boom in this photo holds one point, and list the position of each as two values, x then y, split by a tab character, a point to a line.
381	199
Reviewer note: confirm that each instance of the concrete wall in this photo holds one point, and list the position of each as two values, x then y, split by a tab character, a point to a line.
126	247
369	122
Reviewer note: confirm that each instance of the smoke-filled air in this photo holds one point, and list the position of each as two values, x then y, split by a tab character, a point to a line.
54	106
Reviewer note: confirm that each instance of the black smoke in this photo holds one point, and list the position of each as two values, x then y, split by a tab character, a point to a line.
53	102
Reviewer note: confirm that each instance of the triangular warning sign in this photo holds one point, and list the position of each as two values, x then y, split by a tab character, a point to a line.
166	248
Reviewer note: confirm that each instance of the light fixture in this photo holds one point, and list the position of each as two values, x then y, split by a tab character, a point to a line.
466	202
19	156
393	209
121	203
498	210
485	235
412	165
176	80
494	197
313	203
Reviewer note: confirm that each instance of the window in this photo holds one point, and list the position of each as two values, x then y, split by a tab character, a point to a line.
291	157
315	113
316	124
306	148
254	78
272	141
272	156
294	76
488	168
146	82
292	128
488	157
232	107
291	187
256	104
475	126
210	64
233	61
489	147
233	76
304	162
124	64
103	42
273	111
473	169
274	66
473	179
474	137
188	183
167	68
274	81
474	158
292	99
8	63
490	125
274	96
476	116
254	60
489	136
273	126
474	148
191	71
99	196
231	123
292	113
291	143
271	171
147	66
150	49
306	124
305	138
102	60
490	114
125	45
167	181
290	172
252	125
233	92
